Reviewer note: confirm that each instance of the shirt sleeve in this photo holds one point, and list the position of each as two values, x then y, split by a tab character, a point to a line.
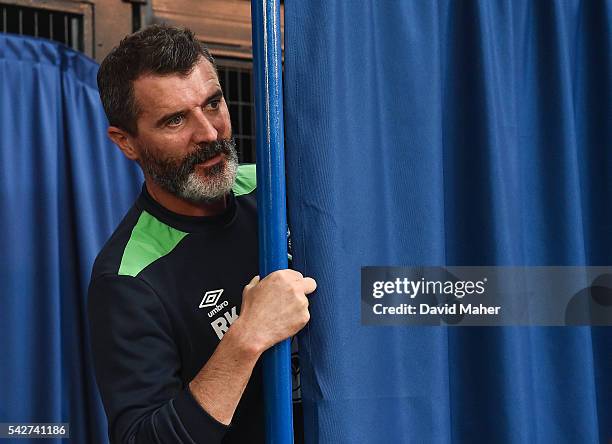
137	367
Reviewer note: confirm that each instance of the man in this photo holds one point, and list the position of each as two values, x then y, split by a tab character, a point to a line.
178	320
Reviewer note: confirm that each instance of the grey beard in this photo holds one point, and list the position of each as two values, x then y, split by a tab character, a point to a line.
178	176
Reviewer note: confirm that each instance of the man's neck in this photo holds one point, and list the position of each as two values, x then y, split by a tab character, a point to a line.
181	206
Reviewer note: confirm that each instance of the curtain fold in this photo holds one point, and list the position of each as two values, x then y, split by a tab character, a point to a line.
448	133
63	188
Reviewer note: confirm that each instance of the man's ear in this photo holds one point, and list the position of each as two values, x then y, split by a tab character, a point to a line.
124	141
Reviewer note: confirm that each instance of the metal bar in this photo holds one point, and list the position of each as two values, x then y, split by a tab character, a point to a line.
136	21
35	23
271	203
66	41
239	106
20	15
4	19
227	85
50	26
76	40
253	124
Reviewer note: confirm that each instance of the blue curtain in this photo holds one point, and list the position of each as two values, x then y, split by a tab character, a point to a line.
63	188
459	133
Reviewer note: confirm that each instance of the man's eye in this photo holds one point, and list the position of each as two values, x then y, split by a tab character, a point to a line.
214	105
175	121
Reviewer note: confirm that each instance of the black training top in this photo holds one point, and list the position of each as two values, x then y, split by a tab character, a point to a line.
164	290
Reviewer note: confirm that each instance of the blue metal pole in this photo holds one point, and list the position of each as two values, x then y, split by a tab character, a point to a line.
272	212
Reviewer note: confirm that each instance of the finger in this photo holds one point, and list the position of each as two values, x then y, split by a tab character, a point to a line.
253	282
309	285
286	273
293	273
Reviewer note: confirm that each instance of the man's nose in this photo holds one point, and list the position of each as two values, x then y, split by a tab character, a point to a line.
205	131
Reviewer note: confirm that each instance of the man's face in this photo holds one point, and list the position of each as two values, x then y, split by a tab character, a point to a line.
184	140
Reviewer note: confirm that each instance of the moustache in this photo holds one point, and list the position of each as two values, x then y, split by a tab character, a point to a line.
206	151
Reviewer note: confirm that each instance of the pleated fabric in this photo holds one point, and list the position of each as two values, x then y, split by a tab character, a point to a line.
63	188
448	133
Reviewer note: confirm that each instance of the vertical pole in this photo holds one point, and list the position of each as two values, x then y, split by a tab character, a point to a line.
267	69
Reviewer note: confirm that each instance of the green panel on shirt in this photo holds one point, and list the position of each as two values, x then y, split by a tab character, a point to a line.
246	180
150	240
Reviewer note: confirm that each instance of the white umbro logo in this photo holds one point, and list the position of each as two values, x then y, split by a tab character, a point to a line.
210	298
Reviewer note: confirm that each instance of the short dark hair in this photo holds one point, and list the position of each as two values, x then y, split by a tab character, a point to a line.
157	49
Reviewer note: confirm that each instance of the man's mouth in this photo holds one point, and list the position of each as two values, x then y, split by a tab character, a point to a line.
213	160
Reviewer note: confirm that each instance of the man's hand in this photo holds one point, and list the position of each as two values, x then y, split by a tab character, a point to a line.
274	308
